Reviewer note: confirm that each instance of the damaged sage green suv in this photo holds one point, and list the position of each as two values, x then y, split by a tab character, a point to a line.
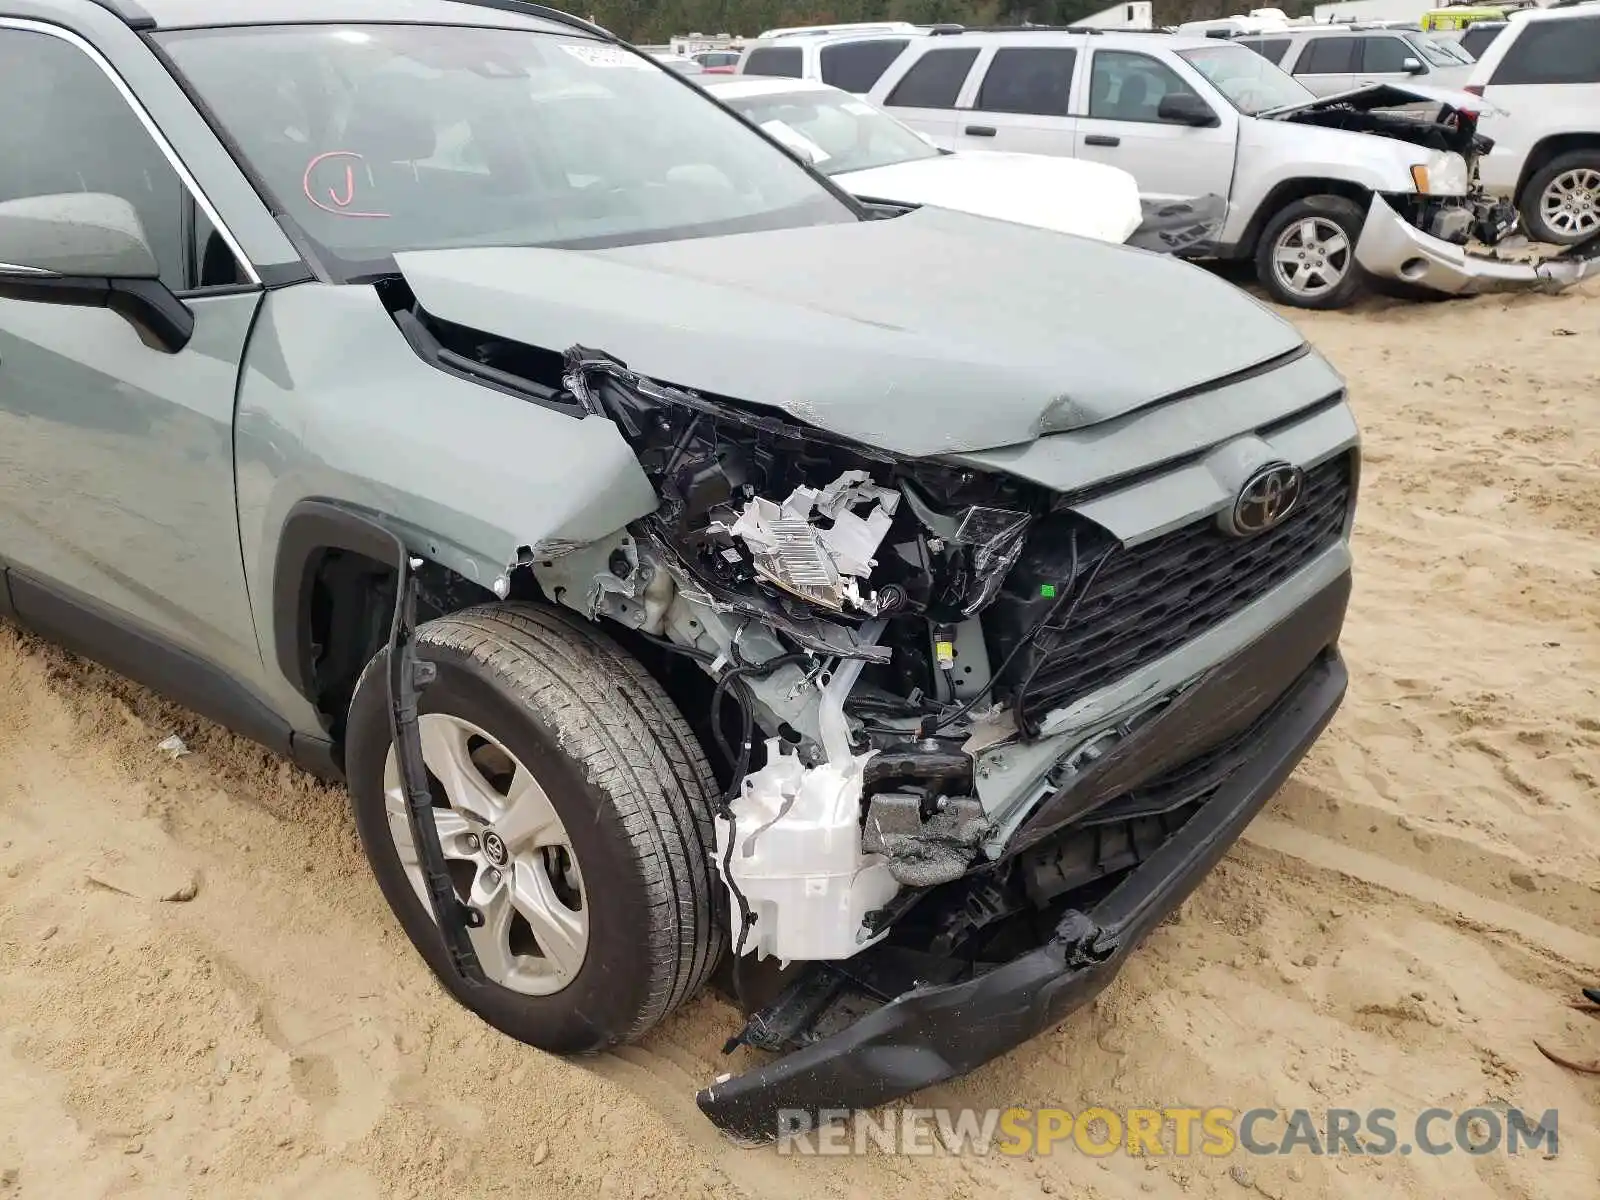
684	564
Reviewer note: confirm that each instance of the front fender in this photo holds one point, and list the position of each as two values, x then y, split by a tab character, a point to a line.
334	406
1275	154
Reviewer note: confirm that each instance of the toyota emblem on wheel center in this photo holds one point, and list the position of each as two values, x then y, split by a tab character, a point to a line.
494	849
1270	494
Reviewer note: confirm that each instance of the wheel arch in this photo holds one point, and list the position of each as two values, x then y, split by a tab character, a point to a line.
1291	190
1547	150
332	603
312	530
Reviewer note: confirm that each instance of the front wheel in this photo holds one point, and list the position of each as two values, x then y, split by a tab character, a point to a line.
573	805
1307	253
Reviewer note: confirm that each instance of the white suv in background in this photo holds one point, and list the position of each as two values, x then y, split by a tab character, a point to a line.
1322	192
1543	74
1337	58
849	61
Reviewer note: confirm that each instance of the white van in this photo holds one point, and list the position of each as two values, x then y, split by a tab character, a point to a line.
850	61
848	27
1260	20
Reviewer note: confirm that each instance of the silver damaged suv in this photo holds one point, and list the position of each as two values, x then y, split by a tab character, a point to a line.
691	570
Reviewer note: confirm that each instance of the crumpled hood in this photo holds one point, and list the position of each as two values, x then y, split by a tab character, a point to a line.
930	333
1068	195
1387	95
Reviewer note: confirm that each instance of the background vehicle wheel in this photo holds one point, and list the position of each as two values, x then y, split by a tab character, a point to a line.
1307	253
574	806
1561	203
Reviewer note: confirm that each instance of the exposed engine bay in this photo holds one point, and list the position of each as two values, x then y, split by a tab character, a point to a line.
875	618
1457	219
1452	130
887	640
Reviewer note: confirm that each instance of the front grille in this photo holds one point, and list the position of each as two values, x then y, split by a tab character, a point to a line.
1152	599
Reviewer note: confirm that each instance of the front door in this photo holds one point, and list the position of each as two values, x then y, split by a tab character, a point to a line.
1124	128
116	457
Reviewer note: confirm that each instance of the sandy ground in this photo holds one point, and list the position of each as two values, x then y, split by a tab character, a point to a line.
201	992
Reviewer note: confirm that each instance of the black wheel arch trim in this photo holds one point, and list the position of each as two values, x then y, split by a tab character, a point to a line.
1546	150
312	528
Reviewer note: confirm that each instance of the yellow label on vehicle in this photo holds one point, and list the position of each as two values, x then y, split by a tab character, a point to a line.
1459	18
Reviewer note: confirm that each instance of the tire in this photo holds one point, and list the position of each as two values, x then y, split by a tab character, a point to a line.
1328	215
634	796
1580	171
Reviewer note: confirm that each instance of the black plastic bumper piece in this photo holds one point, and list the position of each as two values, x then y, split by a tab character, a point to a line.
933	1034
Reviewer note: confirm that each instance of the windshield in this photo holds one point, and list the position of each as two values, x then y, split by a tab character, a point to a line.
374	139
835	131
1438	54
1251	83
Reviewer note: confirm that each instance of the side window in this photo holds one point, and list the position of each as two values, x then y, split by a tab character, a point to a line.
934	80
80	135
1036	80
1328	56
1124	86
1270	49
1385	56
785	61
1553	52
212	264
1477	38
856	66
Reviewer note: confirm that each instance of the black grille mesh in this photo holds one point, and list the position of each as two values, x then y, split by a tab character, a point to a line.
1148	601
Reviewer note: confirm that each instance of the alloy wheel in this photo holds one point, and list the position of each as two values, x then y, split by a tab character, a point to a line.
1311	256
1570	204
507	851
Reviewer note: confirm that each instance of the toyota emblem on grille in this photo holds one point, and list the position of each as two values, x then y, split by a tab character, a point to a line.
1267	497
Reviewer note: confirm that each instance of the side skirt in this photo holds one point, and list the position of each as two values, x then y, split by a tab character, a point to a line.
88	628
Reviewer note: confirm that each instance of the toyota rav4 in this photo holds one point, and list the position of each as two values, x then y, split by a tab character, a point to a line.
682	562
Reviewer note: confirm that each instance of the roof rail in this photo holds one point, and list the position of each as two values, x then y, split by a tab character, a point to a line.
1087	30
129	13
134	17
955	29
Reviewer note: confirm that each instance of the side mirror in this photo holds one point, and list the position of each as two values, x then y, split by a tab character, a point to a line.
1412	66
88	250
1185	108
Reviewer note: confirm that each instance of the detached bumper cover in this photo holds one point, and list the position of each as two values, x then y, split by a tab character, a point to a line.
935	1033
1189	227
1390	247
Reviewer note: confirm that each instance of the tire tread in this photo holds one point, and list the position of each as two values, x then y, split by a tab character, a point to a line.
614	719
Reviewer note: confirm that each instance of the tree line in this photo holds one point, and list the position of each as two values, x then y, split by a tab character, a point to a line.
653	22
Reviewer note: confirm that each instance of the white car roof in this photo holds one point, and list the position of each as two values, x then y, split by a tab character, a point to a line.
1570	13
832	39
1143	39
739	87
843	27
